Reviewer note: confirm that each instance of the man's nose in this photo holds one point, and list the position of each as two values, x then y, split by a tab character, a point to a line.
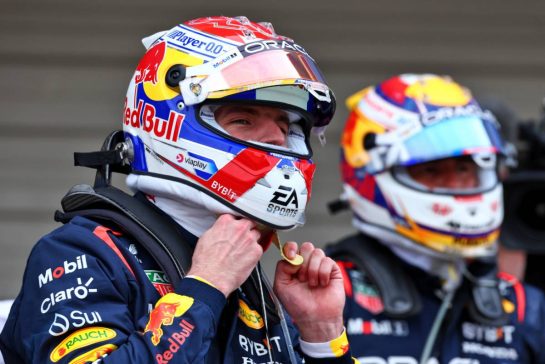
272	133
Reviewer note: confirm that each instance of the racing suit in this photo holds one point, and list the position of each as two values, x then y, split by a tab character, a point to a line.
89	293
380	339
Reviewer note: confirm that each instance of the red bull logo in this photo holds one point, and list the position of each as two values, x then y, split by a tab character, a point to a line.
146	71
166	309
144	117
175	341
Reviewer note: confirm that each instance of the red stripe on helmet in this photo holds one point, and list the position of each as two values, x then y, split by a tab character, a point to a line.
367	187
237	176
307	168
241	174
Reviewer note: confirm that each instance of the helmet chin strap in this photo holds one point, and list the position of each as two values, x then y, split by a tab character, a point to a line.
192	209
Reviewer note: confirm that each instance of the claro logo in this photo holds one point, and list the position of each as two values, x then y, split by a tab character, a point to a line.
67	267
81	291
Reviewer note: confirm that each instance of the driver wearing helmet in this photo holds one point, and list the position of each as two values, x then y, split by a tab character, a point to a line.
216	128
419	164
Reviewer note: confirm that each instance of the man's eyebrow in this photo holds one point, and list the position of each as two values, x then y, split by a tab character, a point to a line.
283	117
247	109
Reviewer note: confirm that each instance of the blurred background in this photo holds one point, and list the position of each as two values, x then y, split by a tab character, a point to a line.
65	66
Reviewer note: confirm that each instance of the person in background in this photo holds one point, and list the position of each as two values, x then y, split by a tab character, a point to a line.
216	128
419	164
522	239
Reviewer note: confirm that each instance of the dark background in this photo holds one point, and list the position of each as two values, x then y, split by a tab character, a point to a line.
65	66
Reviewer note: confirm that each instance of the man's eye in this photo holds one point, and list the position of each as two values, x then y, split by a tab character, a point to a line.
465	167
431	170
240	122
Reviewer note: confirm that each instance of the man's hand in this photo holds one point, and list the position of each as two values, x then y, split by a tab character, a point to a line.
227	253
312	293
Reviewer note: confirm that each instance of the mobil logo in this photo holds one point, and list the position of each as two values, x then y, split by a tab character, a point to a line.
359	326
197	164
67	267
146	71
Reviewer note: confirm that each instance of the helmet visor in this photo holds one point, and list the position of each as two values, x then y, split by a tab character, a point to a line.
248	68
458	136
263	67
466	175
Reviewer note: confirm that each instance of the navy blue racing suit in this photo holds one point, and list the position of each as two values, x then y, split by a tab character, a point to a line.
90	293
378	339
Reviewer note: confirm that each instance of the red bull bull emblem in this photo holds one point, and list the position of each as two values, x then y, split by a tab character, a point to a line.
166	309
146	71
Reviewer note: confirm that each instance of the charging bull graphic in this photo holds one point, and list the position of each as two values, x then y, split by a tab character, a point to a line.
166	309
149	65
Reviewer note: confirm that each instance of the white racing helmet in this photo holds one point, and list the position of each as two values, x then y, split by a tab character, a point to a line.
410	120
191	70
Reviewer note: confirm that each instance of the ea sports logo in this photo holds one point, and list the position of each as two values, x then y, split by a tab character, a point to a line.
285	196
284	202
